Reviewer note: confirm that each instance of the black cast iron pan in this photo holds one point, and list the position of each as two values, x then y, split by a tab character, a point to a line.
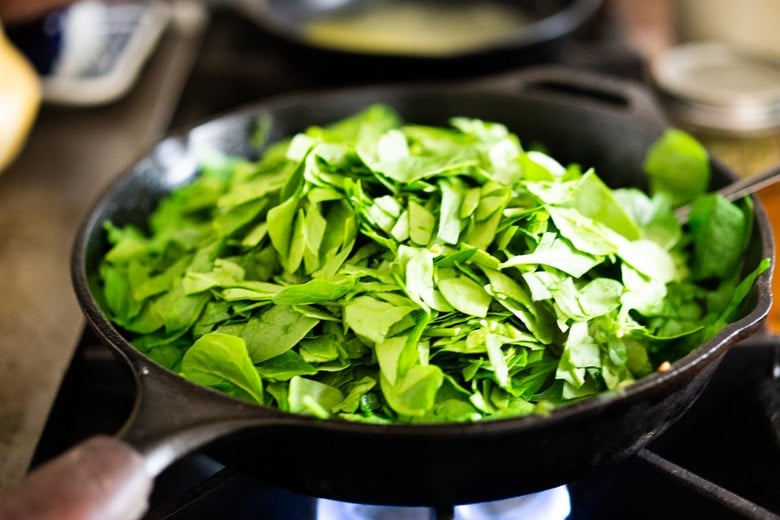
589	119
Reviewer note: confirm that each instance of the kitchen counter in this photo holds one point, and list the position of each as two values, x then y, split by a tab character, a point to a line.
71	156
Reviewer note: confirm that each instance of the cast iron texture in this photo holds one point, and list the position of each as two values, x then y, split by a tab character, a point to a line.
593	120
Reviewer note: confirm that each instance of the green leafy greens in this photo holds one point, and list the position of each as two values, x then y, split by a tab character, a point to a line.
373	270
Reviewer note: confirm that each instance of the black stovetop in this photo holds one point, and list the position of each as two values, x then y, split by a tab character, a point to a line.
722	460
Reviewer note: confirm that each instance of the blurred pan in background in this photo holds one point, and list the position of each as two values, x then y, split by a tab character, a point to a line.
435	38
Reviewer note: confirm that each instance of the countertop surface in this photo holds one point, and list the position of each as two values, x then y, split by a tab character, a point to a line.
70	158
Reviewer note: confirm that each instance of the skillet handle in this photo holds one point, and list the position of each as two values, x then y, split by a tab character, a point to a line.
583	87
102	478
111	478
173	417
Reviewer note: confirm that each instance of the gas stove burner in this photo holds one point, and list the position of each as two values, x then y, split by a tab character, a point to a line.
551	504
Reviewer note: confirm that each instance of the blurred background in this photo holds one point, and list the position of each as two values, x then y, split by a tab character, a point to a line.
86	88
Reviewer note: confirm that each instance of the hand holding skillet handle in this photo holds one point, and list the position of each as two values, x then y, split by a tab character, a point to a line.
101	479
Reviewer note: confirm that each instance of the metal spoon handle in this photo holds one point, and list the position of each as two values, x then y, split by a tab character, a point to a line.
750	184
740	188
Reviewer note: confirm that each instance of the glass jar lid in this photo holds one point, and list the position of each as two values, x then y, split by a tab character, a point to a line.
720	87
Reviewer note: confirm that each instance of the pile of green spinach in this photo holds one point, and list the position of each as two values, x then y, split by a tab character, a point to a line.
373	270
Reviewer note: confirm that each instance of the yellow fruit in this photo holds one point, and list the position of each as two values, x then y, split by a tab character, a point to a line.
20	97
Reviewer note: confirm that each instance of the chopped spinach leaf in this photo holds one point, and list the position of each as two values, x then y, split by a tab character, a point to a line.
373	270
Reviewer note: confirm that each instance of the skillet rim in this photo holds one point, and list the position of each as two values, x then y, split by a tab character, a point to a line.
606	402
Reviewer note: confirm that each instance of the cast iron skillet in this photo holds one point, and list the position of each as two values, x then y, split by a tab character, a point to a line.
592	120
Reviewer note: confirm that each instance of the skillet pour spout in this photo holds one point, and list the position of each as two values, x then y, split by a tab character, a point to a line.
580	117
